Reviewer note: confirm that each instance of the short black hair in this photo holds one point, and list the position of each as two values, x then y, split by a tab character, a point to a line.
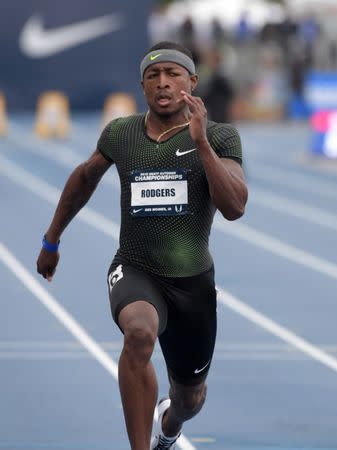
167	45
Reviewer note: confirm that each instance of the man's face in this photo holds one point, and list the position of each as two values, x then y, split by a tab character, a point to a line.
162	83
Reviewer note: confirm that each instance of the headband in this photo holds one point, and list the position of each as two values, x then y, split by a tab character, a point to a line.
167	55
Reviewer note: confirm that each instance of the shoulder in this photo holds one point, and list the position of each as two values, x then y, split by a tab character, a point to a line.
115	131
122	123
222	130
225	140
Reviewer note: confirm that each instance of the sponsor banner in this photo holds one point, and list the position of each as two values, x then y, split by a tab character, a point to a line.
320	96
320	91
86	50
324	126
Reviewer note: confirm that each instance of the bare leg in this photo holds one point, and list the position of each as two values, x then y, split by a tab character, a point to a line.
137	379
186	402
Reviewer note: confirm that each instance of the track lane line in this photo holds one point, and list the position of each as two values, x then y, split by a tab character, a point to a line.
289	179
66	156
22	177
68	321
274	328
293	208
239	230
54	307
277	247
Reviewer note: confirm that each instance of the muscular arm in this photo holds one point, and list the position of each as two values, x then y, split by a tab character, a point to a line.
226	182
225	176
77	191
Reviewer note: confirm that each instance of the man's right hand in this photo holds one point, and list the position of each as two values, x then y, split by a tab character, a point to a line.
46	263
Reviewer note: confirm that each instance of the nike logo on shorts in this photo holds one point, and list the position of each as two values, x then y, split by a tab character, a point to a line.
203	368
180	153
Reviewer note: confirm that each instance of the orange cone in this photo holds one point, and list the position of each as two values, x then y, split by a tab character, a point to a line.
117	105
3	116
52	115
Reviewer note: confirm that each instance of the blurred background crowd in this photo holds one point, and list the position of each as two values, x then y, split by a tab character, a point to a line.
257	59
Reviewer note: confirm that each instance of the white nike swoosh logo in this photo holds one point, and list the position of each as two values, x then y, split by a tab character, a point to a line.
37	42
135	211
200	370
179	153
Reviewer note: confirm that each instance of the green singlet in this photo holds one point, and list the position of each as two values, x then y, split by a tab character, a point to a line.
166	210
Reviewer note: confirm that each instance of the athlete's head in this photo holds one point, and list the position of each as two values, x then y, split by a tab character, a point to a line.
166	69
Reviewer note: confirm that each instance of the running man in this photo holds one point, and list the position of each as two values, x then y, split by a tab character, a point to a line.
176	168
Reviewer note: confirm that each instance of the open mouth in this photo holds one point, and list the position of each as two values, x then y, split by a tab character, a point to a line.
163	99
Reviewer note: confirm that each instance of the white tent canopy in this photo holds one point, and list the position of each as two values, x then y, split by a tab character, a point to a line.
227	12
258	12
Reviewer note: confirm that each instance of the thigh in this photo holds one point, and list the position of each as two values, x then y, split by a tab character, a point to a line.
127	285
189	338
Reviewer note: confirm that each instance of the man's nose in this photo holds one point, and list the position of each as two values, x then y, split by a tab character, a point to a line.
162	80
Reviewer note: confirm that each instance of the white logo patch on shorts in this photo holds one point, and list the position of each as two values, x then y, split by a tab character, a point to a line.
115	276
159	192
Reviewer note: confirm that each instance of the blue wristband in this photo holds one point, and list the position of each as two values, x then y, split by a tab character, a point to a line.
48	246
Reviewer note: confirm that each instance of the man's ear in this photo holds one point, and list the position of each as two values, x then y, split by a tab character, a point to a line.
194	81
142	83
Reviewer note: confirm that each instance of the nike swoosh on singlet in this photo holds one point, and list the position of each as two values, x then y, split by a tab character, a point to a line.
135	211
180	153
37	42
200	370
153	57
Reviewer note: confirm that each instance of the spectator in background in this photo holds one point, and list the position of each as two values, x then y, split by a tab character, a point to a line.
288	29
333	54
188	38
217	90
218	35
243	31
308	32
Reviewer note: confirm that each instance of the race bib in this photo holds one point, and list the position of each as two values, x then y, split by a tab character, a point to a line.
159	193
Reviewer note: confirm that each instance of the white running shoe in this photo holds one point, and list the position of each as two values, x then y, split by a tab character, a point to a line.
159	441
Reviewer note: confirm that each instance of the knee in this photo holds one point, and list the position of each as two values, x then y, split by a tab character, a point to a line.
189	402
139	339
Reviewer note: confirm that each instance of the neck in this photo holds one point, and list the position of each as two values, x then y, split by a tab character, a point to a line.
158	126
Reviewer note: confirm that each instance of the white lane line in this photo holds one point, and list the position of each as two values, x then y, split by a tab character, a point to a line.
116	345
44	190
60	153
63	155
293	180
100	222
293	208
57	310
67	157
277	247
237	306
277	330
295	356
15	266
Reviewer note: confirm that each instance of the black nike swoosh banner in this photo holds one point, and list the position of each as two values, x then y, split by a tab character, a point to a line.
85	49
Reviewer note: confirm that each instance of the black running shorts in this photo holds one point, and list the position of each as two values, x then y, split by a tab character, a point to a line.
187	315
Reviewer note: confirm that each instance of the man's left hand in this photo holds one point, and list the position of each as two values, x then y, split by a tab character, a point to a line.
198	120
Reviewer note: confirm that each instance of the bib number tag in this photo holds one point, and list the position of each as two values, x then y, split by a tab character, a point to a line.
159	193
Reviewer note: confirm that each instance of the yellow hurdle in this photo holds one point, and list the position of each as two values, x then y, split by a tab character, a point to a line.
52	115
116	105
3	116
